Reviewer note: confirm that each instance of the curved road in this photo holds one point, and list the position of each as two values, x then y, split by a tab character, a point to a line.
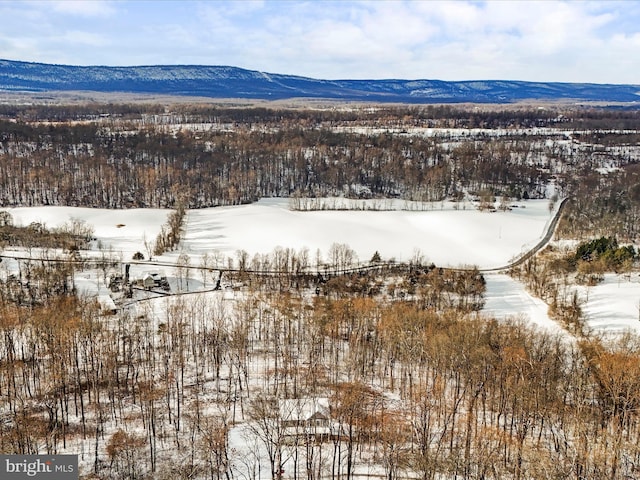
538	246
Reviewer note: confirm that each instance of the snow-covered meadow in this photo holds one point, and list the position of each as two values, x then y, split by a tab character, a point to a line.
612	306
444	235
506	298
122	231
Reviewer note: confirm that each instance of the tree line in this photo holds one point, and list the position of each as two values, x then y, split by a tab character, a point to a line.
442	116
90	165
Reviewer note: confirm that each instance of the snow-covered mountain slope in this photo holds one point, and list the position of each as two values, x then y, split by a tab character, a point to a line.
232	82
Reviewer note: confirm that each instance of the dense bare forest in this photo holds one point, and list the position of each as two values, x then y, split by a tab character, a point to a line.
406	378
418	391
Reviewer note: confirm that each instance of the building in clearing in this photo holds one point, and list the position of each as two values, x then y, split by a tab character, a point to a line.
148	281
154	280
306	417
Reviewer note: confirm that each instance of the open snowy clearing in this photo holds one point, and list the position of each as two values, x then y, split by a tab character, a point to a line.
507	298
443	235
124	231
612	306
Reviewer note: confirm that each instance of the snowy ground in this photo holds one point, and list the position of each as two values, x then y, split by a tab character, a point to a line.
507	298
124	231
443	235
612	306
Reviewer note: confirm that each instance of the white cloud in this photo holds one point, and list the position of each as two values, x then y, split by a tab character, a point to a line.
83	8
84	38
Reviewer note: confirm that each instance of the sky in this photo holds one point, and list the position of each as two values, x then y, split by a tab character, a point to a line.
564	41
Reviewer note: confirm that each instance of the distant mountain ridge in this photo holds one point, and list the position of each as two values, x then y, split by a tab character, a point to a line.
233	82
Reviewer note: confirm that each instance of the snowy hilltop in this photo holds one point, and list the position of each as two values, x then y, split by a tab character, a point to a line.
232	82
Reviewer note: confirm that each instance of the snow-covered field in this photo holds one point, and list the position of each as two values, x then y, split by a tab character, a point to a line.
507	298
124	231
612	306
443	235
